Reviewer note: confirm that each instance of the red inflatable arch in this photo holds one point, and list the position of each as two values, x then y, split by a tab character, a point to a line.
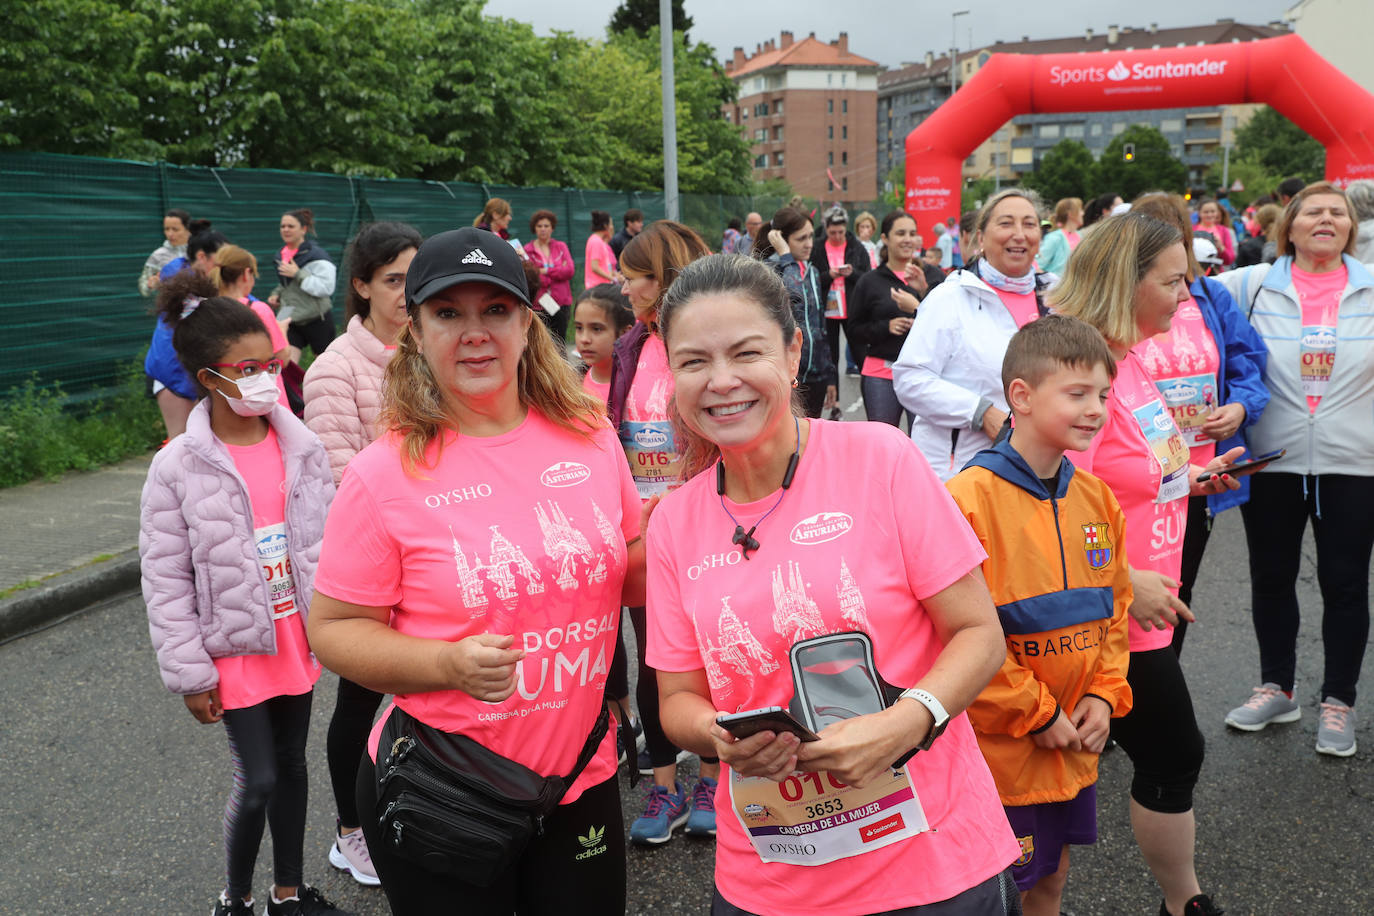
1283	72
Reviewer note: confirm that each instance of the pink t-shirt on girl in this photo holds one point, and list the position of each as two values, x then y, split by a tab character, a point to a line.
833	557
1072	238
522	533
599	252
1141	455
835	305
1183	361
646	432
1320	295
269	319
599	390
1022	306
247	680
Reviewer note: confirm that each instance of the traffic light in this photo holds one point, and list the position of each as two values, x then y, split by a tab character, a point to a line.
1128	152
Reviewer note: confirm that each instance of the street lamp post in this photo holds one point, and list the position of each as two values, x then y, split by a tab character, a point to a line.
954	46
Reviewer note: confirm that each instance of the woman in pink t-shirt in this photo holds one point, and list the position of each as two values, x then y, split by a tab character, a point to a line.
474	565
1213	219
230	525
810	504
641	389
598	265
1127	279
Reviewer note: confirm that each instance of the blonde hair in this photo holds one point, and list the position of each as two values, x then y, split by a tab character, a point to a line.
866	217
1065	208
413	403
1284	243
495	208
1100	281
1171	208
1029	196
231	262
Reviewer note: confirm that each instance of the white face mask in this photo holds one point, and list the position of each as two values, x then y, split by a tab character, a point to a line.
258	394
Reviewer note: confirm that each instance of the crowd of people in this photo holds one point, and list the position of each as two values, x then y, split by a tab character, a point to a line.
896	705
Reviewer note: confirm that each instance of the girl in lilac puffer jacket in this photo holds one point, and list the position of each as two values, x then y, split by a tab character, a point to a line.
231	520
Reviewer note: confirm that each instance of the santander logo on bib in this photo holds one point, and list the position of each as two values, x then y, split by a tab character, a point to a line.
565	474
821	527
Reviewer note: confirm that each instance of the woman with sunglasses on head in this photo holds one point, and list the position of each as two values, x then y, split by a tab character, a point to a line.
810	506
231	520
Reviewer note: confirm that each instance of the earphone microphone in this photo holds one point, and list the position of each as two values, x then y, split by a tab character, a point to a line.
745	541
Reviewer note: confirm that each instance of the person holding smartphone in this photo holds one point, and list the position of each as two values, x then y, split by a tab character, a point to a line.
1314	308
769	544
1208	368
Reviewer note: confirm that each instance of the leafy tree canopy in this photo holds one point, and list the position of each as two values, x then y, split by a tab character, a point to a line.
1066	170
1154	167
639	16
1280	147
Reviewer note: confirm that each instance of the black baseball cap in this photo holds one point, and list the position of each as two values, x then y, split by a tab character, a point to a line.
464	255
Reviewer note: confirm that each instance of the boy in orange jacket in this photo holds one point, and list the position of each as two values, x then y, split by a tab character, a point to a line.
1058	575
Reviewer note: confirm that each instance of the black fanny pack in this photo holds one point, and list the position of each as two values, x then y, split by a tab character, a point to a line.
456	808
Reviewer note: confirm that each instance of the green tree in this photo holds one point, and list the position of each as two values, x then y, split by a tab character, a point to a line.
894	199
1066	170
1280	146
975	193
68	78
1154	167
1250	172
639	16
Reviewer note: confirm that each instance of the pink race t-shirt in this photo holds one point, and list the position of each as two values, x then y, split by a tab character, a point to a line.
1183	361
646	432
1022	306
247	680
522	534
1073	238
599	390
1141	455
1320	295
269	320
598	252
833	557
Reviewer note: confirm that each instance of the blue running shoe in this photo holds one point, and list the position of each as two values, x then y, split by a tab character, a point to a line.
702	819
664	813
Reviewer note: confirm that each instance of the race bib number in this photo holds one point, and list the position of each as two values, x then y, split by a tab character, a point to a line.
1191	400
1168	448
834	301
813	818
276	568
1317	351
652	452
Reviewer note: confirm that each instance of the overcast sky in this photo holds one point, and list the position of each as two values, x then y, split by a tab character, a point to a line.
891	32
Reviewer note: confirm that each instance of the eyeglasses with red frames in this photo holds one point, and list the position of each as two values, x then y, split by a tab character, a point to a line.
251	367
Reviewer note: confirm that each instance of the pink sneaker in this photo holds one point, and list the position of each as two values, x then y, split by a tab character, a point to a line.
349	853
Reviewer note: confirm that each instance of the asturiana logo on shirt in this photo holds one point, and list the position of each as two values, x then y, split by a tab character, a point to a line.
565	474
821	527
594	843
651	438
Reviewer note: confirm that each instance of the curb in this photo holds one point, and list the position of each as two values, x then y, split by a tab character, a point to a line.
68	594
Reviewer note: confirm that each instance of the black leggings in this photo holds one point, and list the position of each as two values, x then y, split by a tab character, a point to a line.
1160	733
1341	509
662	752
315	335
1195	535
559	873
354	709
618	677
267	745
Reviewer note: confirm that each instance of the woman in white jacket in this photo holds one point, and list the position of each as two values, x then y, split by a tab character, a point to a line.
949	372
1314	308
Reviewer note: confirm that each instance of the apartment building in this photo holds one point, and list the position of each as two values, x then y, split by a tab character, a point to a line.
809	108
906	96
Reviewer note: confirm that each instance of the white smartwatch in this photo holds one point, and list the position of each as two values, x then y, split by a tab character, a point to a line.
937	712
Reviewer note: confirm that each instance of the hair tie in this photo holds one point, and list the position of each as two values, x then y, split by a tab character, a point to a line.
190	304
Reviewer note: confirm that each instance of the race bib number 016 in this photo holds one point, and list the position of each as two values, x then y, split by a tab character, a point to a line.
813	818
652	453
1191	400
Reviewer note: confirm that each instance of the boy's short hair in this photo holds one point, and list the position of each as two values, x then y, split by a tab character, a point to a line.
1048	344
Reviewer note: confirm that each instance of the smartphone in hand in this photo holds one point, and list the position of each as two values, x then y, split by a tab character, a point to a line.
770	718
1244	468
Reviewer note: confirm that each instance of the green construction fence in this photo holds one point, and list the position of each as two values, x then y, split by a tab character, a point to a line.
75	232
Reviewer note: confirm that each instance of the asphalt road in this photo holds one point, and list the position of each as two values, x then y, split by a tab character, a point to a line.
111	795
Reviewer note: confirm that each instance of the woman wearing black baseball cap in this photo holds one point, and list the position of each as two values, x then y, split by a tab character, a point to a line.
474	565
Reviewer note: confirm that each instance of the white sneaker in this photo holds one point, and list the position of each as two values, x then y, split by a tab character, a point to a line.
1336	729
1266	704
349	853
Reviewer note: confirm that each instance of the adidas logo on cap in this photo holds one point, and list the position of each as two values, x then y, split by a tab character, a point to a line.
477	256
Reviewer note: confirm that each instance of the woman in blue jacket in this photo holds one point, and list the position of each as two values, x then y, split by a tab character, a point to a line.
1209	369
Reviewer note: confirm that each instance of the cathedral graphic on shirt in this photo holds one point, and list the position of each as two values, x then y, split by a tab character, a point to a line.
796	616
737	647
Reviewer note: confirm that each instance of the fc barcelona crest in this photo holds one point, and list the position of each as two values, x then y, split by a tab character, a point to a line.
1027	851
1097	544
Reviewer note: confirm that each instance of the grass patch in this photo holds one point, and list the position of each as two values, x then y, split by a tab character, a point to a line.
21	587
34	583
42	436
